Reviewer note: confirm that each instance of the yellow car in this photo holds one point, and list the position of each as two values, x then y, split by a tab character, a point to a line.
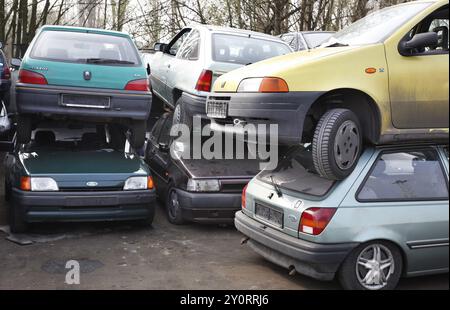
383	79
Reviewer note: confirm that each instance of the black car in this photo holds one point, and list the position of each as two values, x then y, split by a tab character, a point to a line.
195	190
5	76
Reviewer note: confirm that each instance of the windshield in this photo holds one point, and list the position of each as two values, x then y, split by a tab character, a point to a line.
376	27
314	39
245	50
85	48
296	172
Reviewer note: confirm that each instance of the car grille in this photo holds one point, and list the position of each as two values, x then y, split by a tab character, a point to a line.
217	107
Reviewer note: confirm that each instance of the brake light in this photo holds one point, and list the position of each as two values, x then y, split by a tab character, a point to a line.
31	77
6	73
243	198
273	85
204	81
150	183
25	183
314	220
138	85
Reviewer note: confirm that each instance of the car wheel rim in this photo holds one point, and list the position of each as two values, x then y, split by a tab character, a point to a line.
346	145
375	266
173	204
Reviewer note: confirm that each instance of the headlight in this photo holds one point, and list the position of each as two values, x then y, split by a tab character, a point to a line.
203	185
137	183
263	85
38	184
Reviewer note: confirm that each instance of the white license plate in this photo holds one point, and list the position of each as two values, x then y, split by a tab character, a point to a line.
217	108
269	215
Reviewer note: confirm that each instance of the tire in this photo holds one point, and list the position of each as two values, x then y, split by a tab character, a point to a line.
24	129
17	222
174	213
352	274
137	134
181	114
157	106
337	144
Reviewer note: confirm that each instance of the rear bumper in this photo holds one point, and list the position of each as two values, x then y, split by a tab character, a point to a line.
84	206
194	104
319	261
209	207
286	110
46	100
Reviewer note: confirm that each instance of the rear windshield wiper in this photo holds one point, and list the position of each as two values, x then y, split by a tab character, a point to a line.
277	187
108	61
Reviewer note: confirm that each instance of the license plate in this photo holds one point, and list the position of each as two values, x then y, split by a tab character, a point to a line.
269	215
85	101
90	201
217	108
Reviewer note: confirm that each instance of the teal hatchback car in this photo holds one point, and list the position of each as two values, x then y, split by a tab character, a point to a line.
388	219
74	175
86	74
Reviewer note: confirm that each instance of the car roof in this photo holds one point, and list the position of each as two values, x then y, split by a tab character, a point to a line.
214	28
84	29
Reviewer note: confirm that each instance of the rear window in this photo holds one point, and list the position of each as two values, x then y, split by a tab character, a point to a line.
245	50
296	172
85	48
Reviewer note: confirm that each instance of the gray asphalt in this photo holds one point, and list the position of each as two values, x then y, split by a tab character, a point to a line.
127	256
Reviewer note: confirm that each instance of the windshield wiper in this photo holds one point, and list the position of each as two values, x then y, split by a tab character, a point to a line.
108	61
276	186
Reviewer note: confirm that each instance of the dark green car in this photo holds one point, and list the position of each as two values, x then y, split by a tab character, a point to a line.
72	175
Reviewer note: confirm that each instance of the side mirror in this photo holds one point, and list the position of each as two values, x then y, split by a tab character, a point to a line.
164	147
159	47
419	41
16	63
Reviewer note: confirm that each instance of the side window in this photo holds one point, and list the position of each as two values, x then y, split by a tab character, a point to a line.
176	43
405	176
290	39
440	26
190	48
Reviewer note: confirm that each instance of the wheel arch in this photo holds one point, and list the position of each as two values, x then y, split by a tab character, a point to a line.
355	100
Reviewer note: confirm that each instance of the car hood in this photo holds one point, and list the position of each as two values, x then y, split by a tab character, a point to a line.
105	161
220	169
275	67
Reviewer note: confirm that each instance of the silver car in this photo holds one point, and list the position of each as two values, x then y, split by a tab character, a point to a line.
387	220
183	71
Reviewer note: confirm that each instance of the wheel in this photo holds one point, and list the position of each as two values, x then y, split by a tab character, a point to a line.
17	222
137	134
372	266
173	208
157	106
181	114
337	144
24	129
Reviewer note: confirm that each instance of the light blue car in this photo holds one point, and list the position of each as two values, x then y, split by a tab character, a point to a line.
387	220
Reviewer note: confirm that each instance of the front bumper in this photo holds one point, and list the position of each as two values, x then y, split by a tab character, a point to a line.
46	100
286	110
209	207
84	206
319	261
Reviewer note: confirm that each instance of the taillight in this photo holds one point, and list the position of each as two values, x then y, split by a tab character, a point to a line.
138	85
204	81
243	198
6	74
314	220
31	77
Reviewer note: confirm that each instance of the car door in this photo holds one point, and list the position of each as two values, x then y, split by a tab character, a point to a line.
405	195
187	57
418	83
